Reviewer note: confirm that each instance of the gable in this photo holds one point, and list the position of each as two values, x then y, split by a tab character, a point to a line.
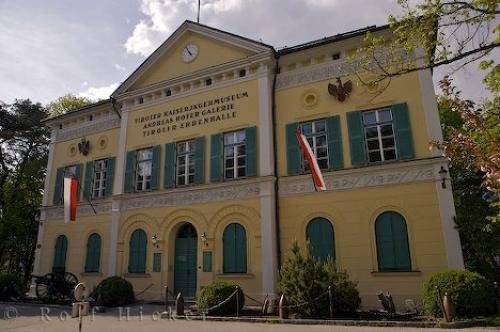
210	53
215	47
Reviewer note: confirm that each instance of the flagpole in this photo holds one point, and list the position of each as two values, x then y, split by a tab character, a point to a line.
198	16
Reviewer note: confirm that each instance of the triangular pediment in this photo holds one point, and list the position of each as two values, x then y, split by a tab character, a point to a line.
174	58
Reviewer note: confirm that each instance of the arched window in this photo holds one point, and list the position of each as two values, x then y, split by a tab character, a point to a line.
137	255
234	243
93	259
60	254
319	233
393	253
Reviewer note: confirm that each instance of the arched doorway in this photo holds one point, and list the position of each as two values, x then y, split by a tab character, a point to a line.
186	242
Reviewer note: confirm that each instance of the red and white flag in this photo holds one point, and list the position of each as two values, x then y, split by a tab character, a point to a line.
318	181
70	198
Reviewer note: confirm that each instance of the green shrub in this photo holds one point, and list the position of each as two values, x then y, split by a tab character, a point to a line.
304	278
216	293
113	292
470	292
8	284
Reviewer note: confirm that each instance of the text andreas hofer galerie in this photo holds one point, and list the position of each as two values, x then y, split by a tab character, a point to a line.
212	110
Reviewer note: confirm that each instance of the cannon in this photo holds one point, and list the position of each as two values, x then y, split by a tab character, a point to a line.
56	286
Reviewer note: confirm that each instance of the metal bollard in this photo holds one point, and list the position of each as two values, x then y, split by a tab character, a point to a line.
166	298
439	300
283	307
449	307
330	299
179	305
237	301
265	305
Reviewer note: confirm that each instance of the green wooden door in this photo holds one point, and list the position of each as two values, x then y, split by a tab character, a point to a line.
321	238
185	261
60	254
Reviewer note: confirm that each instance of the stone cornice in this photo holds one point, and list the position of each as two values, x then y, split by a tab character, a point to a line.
372	176
87	129
84	209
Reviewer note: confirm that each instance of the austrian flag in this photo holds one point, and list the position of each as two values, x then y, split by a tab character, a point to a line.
70	198
318	181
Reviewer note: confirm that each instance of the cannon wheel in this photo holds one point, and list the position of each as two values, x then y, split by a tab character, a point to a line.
45	288
70	283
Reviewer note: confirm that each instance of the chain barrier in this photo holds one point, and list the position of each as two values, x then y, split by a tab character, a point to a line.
144	290
256	301
306	303
222	303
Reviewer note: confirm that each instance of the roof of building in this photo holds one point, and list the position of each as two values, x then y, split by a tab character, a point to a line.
86	107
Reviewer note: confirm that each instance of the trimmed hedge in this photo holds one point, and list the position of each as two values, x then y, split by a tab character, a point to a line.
216	293
470	292
113	292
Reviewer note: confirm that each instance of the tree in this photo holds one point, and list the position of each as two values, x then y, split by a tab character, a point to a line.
476	205
67	103
430	34
23	159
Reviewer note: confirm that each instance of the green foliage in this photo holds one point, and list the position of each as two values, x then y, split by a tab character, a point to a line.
8	283
67	103
114	292
216	293
470	292
23	159
304	278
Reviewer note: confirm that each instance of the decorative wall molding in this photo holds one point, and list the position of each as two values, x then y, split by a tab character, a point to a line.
207	194
373	176
57	212
313	73
88	129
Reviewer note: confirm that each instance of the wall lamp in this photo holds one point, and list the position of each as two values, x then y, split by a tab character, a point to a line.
155	240
204	239
443	174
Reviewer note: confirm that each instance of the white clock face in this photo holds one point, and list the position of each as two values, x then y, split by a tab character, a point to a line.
189	52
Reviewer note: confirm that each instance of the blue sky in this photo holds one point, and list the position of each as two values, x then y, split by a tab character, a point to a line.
52	47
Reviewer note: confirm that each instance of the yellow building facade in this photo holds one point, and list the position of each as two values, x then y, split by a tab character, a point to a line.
195	176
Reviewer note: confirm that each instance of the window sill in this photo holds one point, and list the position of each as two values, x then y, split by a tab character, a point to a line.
137	275
236	275
396	273
91	274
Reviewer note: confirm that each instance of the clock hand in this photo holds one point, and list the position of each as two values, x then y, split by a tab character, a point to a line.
187	49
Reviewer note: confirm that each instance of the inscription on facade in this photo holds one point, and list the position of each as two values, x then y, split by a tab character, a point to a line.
204	112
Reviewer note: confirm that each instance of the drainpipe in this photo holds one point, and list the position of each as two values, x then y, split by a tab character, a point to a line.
275	152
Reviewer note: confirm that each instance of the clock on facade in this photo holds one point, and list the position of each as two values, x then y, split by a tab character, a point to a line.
189	52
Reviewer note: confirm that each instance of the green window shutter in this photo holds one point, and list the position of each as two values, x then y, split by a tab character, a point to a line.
110	171
169	170
137	252
293	160
251	151
87	184
155	168
92	262
234	244
391	234
157	262
207	261
199	160
335	157
78	175
404	139
321	238
129	181
58	186
216	158
60	254
356	138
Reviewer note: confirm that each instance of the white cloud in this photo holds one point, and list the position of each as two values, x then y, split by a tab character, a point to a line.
98	93
119	67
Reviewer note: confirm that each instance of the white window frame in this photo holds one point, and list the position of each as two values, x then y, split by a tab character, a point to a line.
146	180
312	138
184	151
378	124
99	185
235	145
